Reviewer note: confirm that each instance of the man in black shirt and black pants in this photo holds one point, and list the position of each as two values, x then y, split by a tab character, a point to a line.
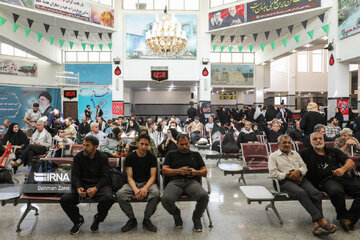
89	178
191	111
141	168
183	169
328	170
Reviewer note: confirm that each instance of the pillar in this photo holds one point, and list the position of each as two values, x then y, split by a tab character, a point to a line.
291	82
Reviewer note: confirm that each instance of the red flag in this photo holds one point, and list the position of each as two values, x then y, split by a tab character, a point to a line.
5	156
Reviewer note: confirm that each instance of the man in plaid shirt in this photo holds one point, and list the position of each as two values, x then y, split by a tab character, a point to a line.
332	130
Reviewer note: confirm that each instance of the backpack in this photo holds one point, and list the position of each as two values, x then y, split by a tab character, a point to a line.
117	178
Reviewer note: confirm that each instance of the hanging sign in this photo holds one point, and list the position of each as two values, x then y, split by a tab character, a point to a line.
343	105
70	94
118	108
159	74
332	60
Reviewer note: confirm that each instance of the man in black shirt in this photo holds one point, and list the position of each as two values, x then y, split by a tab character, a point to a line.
89	179
277	128
191	111
141	167
183	170
328	170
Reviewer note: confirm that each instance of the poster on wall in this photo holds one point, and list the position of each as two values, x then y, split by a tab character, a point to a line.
232	75
118	108
137	26
349	18
15	101
92	74
102	15
94	97
343	105
227	17
18	68
262	9
22	3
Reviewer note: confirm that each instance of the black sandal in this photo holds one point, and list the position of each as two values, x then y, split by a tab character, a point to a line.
331	228
320	232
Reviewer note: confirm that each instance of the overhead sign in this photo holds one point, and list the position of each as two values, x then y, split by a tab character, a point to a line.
227	17
159	74
118	108
70	94
228	95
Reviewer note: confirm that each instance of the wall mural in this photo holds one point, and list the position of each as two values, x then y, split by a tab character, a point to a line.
232	75
94	97
349	18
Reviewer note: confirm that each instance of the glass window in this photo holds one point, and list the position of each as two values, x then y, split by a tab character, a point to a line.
106	2
237	57
7	49
176	4
129	4
215	3
146	4
82	56
70	56
160	4
192	5
303	62
105	56
214	57
94	57
19	53
317	61
225	57
249	57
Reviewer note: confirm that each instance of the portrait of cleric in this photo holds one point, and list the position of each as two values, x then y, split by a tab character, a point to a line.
44	103
226	17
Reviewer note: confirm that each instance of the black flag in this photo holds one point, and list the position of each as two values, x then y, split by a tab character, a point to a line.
321	17
212	37
304	23
222	38
63	31
100	36
232	38
278	31
46	26
255	36
16	17
110	34
76	33
242	37
291	27
87	35
30	22
267	34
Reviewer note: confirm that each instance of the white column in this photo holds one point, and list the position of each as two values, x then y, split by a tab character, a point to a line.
292	61
261	72
339	75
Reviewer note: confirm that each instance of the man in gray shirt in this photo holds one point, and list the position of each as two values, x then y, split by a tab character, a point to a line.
31	117
288	167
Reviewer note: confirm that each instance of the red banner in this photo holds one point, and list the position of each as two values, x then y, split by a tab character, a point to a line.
118	108
343	105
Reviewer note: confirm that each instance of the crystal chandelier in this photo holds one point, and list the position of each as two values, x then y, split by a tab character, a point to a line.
166	38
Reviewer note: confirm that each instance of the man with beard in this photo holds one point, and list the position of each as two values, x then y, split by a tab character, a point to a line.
332	130
328	170
233	18
45	100
31	117
89	179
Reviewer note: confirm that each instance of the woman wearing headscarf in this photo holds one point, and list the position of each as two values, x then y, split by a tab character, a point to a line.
132	128
216	135
169	142
113	145
310	119
16	138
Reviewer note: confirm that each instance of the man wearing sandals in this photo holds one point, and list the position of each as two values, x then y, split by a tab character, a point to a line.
288	167
328	170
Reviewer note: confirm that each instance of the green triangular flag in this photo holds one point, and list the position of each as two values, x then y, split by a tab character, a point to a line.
326	28
39	35
297	38
285	41
51	39
214	47
222	48
230	49
273	45
92	47
311	34
262	46
251	47
101	46
27	32
61	42
71	44
2	21
240	49
15	27
110	45
83	46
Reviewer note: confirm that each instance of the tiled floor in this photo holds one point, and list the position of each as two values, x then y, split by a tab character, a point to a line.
232	217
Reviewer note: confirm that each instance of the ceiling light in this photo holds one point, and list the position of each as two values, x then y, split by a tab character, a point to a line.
271	60
322	92
293	51
217	91
307	45
223	90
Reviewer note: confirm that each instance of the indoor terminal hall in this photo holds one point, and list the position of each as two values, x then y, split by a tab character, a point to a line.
179	119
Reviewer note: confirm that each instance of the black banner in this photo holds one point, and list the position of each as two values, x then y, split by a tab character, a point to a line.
262	9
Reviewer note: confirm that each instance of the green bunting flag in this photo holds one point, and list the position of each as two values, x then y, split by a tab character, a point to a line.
297	38
222	48
15	27
51	39
2	21
262	46
326	28
61	42
240	48
110	45
214	47
230	49
92	47
311	34
273	45
71	44
285	41
83	46
101	46
251	47
27	32
39	36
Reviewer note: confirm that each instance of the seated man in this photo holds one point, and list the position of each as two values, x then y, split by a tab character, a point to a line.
55	119
209	125
195	129
89	178
332	130
288	167
247	134
141	167
132	146
84	128
40	142
184	169
346	141
277	128
68	135
328	170
96	133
